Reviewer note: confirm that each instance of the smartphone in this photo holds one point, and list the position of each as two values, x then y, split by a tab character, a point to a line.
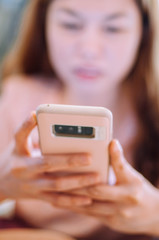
76	129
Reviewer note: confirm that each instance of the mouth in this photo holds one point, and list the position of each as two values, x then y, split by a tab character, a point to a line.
87	73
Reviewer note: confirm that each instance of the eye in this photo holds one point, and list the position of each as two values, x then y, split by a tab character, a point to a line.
112	29
72	26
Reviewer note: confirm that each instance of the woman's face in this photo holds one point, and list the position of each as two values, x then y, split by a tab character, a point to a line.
92	44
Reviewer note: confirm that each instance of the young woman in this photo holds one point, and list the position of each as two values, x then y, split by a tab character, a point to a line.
90	52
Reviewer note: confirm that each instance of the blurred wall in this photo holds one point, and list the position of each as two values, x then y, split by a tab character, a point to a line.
10	15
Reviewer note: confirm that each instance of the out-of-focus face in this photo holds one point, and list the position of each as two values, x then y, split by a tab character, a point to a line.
92	44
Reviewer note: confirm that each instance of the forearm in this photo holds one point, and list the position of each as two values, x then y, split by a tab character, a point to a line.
152	228
4	166
7	207
55	218
36	212
2	170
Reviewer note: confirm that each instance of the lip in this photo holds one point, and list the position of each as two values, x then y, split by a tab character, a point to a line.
87	73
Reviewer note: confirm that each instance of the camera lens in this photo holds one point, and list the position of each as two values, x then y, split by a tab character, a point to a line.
58	128
72	130
89	131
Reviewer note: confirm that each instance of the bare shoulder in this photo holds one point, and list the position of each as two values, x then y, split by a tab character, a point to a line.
33	88
17	83
12	107
15	92
27	92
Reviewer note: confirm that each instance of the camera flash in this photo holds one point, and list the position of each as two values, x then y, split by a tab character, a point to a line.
79	129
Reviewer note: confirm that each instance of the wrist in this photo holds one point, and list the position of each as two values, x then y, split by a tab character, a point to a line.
153	229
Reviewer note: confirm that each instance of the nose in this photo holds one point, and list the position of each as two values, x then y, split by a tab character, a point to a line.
90	46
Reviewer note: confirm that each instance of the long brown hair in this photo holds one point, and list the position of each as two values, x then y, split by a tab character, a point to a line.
29	56
145	89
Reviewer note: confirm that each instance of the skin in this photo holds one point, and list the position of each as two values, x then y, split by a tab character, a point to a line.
90	48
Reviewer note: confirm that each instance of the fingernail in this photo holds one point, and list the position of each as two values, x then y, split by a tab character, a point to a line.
33	115
118	146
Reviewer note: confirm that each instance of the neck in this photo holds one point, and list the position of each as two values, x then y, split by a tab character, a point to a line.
112	100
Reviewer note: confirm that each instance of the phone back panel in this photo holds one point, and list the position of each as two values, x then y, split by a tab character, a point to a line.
98	118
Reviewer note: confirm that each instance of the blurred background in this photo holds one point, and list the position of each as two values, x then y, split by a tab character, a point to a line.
10	15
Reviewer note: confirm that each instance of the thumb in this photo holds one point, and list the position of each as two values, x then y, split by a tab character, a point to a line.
21	136
123	171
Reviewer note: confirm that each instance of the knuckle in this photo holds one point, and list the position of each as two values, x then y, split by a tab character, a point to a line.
51	185
126	213
28	123
135	196
73	160
58	185
70	161
44	185
75	201
111	220
120	167
86	180
117	155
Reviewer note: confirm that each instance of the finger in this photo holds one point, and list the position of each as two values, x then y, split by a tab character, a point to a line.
116	193
103	209
98	209
21	136
64	183
28	166
58	162
105	192
65	200
123	171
